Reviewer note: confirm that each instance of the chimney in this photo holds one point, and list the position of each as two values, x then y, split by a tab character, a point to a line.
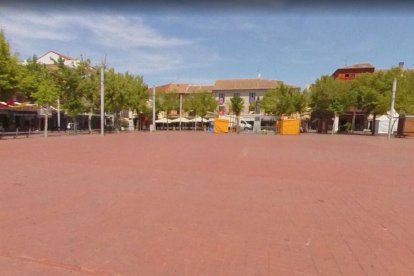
401	65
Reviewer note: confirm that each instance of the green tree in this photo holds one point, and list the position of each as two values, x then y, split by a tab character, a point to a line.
200	104
123	92
329	98
167	102
88	89
404	98
45	95
237	105
283	100
373	93
9	78
32	74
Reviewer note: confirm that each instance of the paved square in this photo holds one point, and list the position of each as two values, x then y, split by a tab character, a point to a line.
171	203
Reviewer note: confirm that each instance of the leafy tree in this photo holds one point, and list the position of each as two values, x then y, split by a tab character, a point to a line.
123	92
283	100
45	95
329	97
404	98
32	74
68	80
200	104
237	105
9	79
373	93
88	89
167	102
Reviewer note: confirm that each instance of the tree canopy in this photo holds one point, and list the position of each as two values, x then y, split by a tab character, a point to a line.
9	78
283	100
200	103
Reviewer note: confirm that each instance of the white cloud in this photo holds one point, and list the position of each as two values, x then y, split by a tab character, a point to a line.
126	32
129	42
106	29
34	26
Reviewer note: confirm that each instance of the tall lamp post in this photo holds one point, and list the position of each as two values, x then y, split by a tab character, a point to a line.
153	109
391	114
394	88
102	100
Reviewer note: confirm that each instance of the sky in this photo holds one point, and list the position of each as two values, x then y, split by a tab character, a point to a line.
199	44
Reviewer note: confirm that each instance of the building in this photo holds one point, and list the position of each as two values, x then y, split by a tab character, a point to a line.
51	57
250	90
182	88
351	71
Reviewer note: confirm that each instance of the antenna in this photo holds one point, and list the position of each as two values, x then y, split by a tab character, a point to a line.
103	96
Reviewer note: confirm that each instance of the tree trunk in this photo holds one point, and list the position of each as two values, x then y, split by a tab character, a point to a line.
373	124
75	125
237	124
90	121
46	119
353	121
117	124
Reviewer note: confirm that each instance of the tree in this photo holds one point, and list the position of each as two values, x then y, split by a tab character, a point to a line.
283	100
237	105
200	104
329	98
88	88
373	93
123	92
46	94
68	81
404	98
167	102
31	76
9	79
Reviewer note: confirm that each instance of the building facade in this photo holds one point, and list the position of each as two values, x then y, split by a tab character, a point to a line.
250	90
351	71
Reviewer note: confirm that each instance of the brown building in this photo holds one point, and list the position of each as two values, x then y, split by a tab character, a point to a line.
351	71
181	88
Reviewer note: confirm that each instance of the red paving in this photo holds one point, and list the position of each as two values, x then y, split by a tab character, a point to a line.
171	203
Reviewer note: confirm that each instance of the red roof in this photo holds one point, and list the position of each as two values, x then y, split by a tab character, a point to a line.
62	56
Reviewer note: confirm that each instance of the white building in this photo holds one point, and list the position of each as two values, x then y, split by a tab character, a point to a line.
250	90
51	57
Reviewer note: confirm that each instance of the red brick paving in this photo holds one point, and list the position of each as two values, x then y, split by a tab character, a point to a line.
171	203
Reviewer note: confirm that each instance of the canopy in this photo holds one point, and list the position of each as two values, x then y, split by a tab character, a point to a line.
163	120
198	120
177	120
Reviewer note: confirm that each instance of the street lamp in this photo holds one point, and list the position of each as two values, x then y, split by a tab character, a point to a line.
394	88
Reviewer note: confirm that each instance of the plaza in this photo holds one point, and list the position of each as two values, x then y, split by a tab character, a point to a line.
196	203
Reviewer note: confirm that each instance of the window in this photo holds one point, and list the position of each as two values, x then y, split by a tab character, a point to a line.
252	97
236	94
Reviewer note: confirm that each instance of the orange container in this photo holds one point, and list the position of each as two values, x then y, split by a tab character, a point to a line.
288	126
221	125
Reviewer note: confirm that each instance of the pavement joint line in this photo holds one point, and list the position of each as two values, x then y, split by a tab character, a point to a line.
57	265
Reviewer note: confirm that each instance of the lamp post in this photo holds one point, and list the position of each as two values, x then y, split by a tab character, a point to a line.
391	114
102	100
58	113
153	108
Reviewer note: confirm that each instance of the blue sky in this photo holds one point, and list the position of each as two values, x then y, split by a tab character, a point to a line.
296	45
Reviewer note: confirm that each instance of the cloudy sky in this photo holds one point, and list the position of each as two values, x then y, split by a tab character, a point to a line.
296	44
